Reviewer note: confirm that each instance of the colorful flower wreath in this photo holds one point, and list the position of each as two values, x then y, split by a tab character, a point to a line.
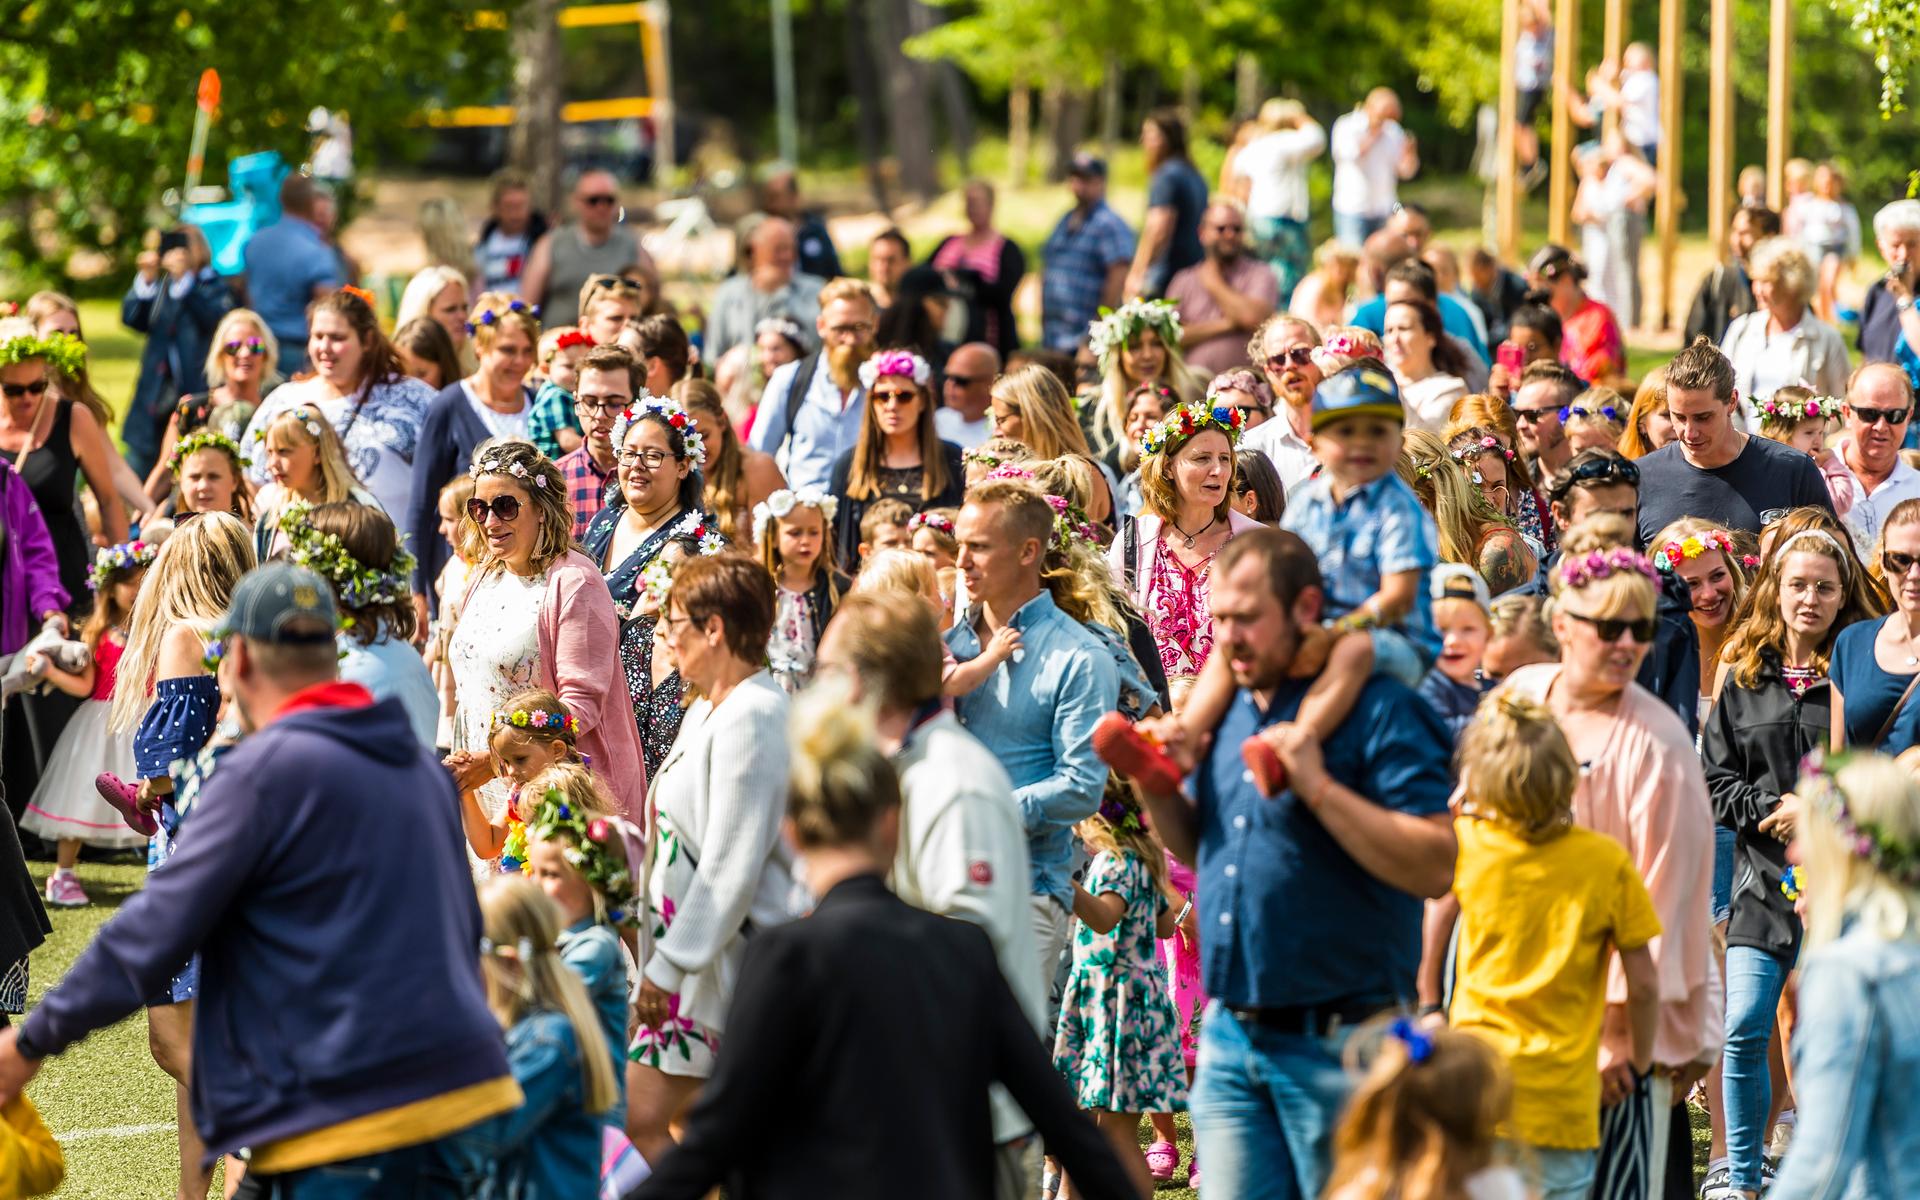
1488	444
1580	570
1671	555
598	852
520	718
930	520
974	456
1890	855
1117	327
1186	420
488	317
1119	814
206	439
357	584
501	462
904	363
1606	411
572	338
647	404
64	352
1011	471
1775	411
109	561
656	578
1069	524
784	501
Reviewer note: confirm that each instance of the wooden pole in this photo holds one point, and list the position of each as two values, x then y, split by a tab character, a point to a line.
1779	102
1506	182
1667	199
1613	41
1566	47
1720	125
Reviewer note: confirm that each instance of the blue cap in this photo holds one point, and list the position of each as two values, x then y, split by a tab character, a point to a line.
276	595
1358	392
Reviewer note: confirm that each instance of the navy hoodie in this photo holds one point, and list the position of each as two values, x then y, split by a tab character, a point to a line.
321	877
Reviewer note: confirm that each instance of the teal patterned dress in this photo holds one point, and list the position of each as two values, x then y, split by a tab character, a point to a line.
1118	1043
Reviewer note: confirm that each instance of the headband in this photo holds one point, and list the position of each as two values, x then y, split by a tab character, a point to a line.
930	520
521	718
784	501
488	316
1846	563
599	851
647	404
357	584
786	327
205	439
364	296
572	338
67	354
497	464
1865	840
1775	411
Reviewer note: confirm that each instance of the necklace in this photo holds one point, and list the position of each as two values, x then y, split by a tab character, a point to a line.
1913	660
1211	522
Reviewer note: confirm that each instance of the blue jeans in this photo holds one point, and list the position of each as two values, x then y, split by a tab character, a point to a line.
1353	229
1755	979
1563	1174
1724	843
1264	1107
429	1171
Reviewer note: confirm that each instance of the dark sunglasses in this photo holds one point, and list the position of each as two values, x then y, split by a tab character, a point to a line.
1897	564
17	390
1527	416
893	397
1612	470
1299	356
599	199
964	381
1873	416
1610	629
507	508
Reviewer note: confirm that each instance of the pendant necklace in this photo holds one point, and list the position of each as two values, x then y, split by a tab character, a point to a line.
1209	525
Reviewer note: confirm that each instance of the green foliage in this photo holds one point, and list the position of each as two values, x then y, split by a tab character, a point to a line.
98	109
1892	29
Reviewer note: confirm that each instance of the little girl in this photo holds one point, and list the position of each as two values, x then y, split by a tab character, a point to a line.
1595	420
534	732
207	469
1422	1124
932	533
790	528
1116	1042
549	1147
907	575
65	807
306	461
1794	416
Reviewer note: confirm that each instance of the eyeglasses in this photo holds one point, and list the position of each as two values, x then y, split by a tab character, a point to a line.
1873	416
1252	408
649	459
248	346
596	407
1527	416
890	397
507	508
16	390
599	198
857	329
1299	356
1610	629
963	381
1897	564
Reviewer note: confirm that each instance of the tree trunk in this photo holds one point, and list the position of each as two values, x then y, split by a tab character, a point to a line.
1019	133
1190	92
533	144
903	80
1110	107
1246	85
1064	114
955	104
866	90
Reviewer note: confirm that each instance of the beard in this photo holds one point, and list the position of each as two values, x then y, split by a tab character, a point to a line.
843	364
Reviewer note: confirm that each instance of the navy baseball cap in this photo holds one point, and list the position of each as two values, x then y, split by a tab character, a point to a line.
1364	391
1088	166
269	598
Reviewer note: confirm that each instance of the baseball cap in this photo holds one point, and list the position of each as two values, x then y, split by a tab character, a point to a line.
1457	581
270	598
1357	392
1088	166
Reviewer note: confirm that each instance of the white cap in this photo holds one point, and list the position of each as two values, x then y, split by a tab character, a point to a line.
1457	581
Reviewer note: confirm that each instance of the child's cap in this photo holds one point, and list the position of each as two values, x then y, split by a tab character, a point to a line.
1363	391
1457	581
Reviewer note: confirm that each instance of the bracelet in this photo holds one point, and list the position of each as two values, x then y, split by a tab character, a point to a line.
1184	910
1431	1010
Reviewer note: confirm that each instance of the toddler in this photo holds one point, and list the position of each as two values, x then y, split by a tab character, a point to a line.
1454	685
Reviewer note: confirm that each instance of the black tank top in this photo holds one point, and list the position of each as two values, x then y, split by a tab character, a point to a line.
52	475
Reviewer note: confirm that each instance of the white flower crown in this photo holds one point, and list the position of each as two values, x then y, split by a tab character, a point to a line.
1114	328
669	411
784	501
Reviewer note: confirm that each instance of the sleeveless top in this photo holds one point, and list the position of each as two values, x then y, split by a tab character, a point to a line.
571	260
51	470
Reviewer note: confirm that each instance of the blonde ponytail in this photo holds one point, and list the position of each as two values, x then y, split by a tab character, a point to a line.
525	973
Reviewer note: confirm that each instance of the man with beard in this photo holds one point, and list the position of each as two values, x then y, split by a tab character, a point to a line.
1225	296
1546	389
1879	405
1282	349
768	286
810	413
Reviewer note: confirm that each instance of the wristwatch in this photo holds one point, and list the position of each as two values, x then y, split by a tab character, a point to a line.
1902	303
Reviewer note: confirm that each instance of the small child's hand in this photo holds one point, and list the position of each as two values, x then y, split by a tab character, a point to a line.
1003	645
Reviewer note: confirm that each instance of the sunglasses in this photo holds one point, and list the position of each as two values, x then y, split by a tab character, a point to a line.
245	346
1527	416
963	381
1299	356
1897	564
17	390
1609	469
1610	629
1873	416
599	199
893	397
507	508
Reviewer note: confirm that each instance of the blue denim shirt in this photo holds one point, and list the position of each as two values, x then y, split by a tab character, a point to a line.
549	1147
1379	530
1036	712
1856	1053
1287	917
593	951
825	425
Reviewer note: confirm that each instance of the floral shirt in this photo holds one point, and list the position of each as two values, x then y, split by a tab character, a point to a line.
1177	611
790	651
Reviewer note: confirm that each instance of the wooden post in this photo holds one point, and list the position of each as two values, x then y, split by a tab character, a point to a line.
1667	199
1506	182
1613	41
1566	47
1720	125
1779	102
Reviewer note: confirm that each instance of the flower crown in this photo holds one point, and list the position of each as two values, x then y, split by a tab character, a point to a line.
488	317
500	462
205	439
67	354
647	404
1488	444
1775	411
1339	351
109	560
975	456
1011	471
364	296
357	584
1116	327
930	520
1866	840
786	327
1580	570
1671	555
1121	815
1069	524
309	420
895	362
597	852
520	718
656	578
784	501
572	338
1186	420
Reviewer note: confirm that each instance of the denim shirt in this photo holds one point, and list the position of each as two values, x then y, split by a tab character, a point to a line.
1856	1053
1287	917
825	425
593	951
1378	530
549	1147
1036	712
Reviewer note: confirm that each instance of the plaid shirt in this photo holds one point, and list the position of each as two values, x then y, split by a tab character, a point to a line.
552	411
586	487
1077	258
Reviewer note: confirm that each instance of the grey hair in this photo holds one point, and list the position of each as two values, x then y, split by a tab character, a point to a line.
1897	217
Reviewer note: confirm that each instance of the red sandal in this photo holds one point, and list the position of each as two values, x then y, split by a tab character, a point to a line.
1269	774
124	799
1136	756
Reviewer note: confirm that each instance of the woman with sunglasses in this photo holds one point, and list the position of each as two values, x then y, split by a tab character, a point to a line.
1640	784
240	371
899	455
536	615
1876	664
1775	706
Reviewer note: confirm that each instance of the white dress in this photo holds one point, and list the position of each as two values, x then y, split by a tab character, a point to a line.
495	655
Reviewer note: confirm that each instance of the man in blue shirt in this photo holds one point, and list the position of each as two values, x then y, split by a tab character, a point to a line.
289	266
1310	903
1037	711
1086	258
811	410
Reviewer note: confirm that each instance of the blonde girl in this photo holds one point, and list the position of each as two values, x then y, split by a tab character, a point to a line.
451	587
209	475
794	532
532	733
1596	420
1794	416
306	461
1137	343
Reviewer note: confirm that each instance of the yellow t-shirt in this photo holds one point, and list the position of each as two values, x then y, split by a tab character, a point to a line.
1537	927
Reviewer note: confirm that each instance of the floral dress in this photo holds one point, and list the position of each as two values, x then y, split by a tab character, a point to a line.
680	1046
1177	611
495	655
1117	1043
791	648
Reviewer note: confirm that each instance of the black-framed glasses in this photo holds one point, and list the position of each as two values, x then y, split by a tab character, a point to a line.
1894	417
16	390
1299	356
1896	564
1610	628
651	459
600	408
507	508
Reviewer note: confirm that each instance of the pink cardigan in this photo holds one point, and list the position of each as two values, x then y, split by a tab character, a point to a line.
580	663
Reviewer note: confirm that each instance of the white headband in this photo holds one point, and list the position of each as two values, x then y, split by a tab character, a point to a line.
1839	551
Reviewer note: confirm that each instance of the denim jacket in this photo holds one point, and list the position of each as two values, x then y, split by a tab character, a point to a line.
1037	712
1856	1053
549	1147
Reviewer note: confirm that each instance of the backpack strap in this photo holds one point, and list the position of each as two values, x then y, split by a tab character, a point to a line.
797	393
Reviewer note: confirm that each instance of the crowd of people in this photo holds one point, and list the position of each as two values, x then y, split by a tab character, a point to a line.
1344	705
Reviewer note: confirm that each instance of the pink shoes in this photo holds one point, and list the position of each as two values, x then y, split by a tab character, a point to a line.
64	890
124	799
1162	1160
1269	775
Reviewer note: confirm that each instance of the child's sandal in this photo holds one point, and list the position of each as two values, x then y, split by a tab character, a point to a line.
1269	774
124	798
1134	755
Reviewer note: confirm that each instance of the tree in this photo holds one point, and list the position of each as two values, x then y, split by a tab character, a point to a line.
98	106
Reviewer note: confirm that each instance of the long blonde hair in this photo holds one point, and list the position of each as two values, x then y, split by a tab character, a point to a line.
1461	510
1516	768
525	974
306	425
228	330
191	583
1047	424
1879	799
838	783
1077	572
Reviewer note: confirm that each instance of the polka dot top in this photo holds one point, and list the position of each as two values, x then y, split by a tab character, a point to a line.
177	724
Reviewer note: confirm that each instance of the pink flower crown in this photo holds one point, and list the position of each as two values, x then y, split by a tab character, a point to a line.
930	520
1488	444
1578	571
904	363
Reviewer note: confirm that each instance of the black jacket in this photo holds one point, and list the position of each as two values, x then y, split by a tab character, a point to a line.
1724	294
1752	747
995	297
846	519
860	1047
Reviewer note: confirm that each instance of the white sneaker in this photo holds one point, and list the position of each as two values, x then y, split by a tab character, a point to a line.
1782	1136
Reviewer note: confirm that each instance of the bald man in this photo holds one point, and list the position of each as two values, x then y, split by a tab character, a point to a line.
595	242
769	285
967	389
1225	296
